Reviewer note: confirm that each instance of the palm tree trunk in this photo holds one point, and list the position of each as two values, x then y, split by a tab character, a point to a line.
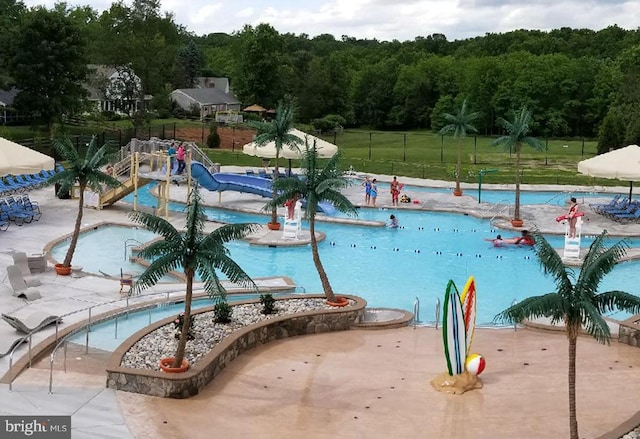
324	279
276	174
76	228
516	211
573	419
184	333
458	191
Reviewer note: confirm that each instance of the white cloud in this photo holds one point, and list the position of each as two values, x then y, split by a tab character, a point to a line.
397	19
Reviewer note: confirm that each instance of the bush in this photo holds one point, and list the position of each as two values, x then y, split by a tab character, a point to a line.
213	139
222	312
268	303
329	123
178	324
111	116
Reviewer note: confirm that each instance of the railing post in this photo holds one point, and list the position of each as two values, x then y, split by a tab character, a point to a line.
65	357
116	325
416	312
515	324
437	312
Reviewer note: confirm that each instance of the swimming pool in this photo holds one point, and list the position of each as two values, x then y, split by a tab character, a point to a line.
393	267
103	335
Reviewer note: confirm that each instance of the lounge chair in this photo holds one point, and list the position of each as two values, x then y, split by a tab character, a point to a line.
4	221
32	322
29	207
17	216
597	207
21	261
20	288
624	218
6	350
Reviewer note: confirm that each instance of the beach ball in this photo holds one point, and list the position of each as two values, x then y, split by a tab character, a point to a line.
475	364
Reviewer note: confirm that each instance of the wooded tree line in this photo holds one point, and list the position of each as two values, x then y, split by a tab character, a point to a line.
575	81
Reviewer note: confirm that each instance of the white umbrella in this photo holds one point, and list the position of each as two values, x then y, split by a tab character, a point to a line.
621	164
324	148
16	159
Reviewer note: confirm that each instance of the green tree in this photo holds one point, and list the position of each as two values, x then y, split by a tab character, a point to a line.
49	66
195	252
578	306
612	131
84	169
459	124
277	131
189	62
517	135
258	66
320	184
10	13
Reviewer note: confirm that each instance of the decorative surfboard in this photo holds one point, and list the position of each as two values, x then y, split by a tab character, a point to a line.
468	299
453	331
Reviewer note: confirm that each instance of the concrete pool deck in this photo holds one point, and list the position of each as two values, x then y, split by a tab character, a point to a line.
335	382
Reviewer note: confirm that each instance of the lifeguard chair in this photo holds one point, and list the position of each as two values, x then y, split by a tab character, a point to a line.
293	226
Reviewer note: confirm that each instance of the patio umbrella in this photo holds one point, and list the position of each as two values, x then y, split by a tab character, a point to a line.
621	164
255	108
325	149
16	159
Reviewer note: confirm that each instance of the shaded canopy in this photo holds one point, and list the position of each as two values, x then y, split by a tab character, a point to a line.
255	108
325	149
621	164
16	159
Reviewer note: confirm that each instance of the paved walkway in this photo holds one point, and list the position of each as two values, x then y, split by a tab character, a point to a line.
339	375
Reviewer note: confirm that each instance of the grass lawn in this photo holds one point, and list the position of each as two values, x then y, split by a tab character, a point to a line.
425	155
420	154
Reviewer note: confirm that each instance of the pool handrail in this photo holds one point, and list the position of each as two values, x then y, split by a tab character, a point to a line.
29	336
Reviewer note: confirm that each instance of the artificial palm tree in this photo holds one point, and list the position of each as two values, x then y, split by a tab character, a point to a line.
459	124
517	130
577	305
278	132
193	251
84	169
317	185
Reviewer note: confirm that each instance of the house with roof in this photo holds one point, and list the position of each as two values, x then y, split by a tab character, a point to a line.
116	89
6	104
209	101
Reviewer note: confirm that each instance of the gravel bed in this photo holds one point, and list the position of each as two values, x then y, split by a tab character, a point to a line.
161	343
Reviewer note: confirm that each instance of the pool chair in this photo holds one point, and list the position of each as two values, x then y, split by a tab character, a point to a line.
19	285
16	216
19	186
126	281
22	181
4	221
625	218
6	348
597	207
33	322
613	213
21	261
29	206
250	172
262	173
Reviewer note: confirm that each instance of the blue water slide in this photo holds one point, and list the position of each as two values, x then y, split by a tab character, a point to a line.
230	182
241	183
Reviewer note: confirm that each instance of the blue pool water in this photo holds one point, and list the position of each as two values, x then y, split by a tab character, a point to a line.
103	335
391	267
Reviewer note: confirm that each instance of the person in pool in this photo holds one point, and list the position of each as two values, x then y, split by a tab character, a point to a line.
497	241
393	222
525	239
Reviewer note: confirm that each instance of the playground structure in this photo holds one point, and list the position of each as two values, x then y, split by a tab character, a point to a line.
141	162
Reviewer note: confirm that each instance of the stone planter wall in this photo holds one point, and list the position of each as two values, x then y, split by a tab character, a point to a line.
629	332
187	384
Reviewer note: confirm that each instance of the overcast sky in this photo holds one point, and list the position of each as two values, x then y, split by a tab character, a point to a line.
392	19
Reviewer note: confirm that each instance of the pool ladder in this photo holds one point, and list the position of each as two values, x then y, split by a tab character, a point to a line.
130	243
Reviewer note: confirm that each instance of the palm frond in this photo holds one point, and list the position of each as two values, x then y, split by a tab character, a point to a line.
552	264
599	262
212	285
156	225
550	305
227	233
593	323
617	300
158	268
